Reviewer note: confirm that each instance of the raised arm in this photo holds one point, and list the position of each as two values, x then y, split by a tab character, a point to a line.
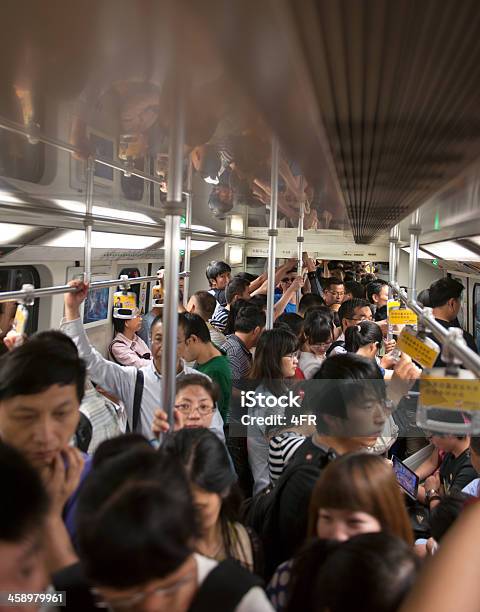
280	306
116	379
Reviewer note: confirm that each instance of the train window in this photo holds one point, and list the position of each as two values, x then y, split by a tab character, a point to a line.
19	159
476	314
11	279
133	186
462	315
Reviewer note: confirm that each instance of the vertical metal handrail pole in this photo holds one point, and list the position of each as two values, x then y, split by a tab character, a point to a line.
188	238
415	230
392	271
172	254
272	233
90	175
300	239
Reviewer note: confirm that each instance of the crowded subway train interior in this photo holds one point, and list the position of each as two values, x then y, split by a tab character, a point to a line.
239	305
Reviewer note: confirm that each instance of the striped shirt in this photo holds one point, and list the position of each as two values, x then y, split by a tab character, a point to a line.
281	449
220	317
239	356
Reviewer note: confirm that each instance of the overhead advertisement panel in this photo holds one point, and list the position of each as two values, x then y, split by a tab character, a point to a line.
323	245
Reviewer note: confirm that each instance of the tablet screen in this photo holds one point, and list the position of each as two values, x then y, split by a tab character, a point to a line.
407	479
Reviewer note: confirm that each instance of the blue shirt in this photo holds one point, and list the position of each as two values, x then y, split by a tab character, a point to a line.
289	307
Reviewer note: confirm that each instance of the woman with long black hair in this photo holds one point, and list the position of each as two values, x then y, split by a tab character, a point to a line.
273	373
216	498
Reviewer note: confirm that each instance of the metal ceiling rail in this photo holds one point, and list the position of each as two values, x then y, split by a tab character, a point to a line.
455	344
29	294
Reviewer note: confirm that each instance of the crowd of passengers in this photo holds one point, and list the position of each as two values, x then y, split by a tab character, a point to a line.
226	509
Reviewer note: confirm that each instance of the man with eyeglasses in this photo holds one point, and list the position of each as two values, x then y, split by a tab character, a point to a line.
140	393
350	313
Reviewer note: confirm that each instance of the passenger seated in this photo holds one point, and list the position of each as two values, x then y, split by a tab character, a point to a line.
127	348
354	575
216	498
318	331
123	381
23	513
41	386
146	498
208	359
455	470
355	494
473	488
204	303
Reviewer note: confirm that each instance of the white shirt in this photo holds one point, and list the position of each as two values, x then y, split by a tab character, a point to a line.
472	488
338	350
120	381
255	600
309	363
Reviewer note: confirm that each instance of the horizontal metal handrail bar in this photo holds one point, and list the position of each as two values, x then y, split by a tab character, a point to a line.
22	294
468	357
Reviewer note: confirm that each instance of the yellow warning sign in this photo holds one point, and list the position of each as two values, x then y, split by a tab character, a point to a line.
400	316
124	300
424	352
21	319
462	393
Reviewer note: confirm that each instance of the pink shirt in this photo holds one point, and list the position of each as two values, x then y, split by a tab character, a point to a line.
128	352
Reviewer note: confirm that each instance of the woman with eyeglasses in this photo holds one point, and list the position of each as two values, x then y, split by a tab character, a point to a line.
195	404
318	331
216	498
273	374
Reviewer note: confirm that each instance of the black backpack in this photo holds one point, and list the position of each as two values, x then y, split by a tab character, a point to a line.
279	514
334	345
224	588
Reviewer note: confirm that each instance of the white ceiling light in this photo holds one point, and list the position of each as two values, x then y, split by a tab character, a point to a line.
5	196
452	251
200	228
104	211
421	254
102	240
11	232
236	224
235	254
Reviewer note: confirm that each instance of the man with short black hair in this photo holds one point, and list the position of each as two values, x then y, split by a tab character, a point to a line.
41	386
218	275
137	529
446	300
204	303
350	313
208	359
237	289
249	325
377	294
23	513
140	390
